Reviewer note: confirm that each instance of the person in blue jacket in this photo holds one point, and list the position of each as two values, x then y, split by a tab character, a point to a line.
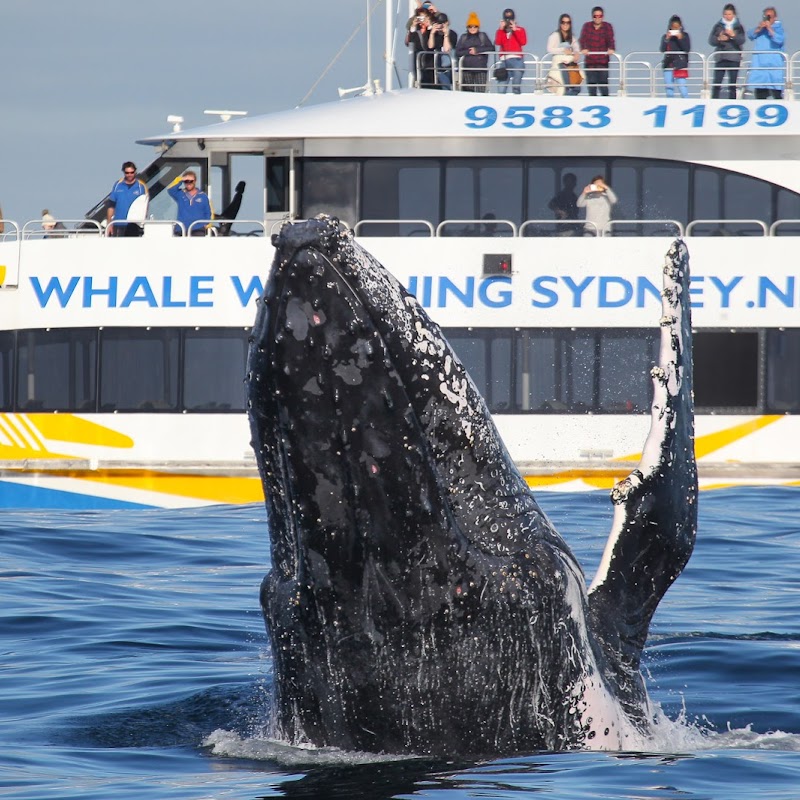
193	205
768	67
120	199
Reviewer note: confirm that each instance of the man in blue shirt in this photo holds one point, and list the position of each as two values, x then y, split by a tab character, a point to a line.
193	205
123	193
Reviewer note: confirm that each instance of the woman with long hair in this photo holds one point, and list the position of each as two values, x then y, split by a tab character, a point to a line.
565	50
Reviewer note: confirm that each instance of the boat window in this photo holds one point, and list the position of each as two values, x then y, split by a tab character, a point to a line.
725	369
539	384
6	369
487	358
277	184
330	187
783	371
624	383
483	190
746	199
139	369
707	197
56	370
223	354
400	189
664	192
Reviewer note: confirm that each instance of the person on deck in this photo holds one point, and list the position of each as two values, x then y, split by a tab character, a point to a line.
597	43
194	206
597	198
727	39
768	67
123	193
471	51
511	39
675	44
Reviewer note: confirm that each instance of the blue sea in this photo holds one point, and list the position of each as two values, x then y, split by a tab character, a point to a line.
134	664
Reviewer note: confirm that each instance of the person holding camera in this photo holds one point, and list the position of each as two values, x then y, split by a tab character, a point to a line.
511	39
768	67
442	42
471	52
675	44
597	198
417	39
727	39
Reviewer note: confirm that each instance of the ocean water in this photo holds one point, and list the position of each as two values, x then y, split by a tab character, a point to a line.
134	664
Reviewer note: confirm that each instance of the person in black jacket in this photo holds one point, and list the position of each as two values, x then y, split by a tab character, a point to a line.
442	42
727	38
676	44
471	52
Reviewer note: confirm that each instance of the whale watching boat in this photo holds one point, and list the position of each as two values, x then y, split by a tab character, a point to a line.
122	358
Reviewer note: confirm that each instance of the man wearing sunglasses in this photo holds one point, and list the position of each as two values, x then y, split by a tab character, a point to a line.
194	206
121	198
597	43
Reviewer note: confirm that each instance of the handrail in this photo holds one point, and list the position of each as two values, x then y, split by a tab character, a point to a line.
485	222
720	222
34	229
778	222
609	226
424	222
581	225
7	235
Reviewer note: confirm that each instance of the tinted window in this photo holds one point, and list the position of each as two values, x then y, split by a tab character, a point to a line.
783	370
6	369
487	358
400	189
56	370
624	379
139	370
330	187
725	369
223	355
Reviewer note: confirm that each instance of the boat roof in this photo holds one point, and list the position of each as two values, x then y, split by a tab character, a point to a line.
430	114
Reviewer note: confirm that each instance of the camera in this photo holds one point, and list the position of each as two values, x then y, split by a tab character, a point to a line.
593	187
765	18
673	33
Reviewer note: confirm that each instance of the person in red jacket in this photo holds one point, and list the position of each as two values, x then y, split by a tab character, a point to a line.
511	39
597	42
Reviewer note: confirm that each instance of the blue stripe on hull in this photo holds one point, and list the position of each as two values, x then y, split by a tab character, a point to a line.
16	495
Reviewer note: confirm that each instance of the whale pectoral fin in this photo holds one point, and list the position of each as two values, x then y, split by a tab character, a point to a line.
655	516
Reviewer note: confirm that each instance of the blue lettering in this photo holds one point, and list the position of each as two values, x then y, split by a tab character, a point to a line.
411	285
577	289
54	285
725	289
466	296
503	297
765	285
550	296
140	284
255	287
195	290
427	289
643	285
167	301
605	284
89	292
695	290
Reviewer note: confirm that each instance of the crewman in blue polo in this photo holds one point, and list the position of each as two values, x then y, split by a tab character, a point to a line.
193	205
123	193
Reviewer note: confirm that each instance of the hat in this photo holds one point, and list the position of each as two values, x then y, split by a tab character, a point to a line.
509	12
48	220
472	19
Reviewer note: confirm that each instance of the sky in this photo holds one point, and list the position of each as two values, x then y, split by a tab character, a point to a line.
82	80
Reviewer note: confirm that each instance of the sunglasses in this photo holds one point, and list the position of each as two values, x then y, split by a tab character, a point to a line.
597	16
566	21
473	26
129	172
188	180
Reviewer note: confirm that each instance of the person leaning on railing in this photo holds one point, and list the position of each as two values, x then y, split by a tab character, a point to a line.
564	49
417	39
676	44
442	42
511	38
767	77
471	51
727	39
597	43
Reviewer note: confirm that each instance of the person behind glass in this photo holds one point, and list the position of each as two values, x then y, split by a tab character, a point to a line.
597	43
194	206
597	198
442	41
727	39
564	205
675	44
768	67
123	193
417	39
563	47
511	39
471	51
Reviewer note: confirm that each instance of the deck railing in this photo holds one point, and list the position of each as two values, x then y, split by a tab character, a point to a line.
636	74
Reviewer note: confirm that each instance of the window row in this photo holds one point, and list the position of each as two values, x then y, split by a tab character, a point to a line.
123	369
519	189
517	371
607	371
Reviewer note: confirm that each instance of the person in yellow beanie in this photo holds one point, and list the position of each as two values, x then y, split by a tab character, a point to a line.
471	50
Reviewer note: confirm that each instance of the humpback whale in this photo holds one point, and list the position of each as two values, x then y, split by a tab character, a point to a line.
419	600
